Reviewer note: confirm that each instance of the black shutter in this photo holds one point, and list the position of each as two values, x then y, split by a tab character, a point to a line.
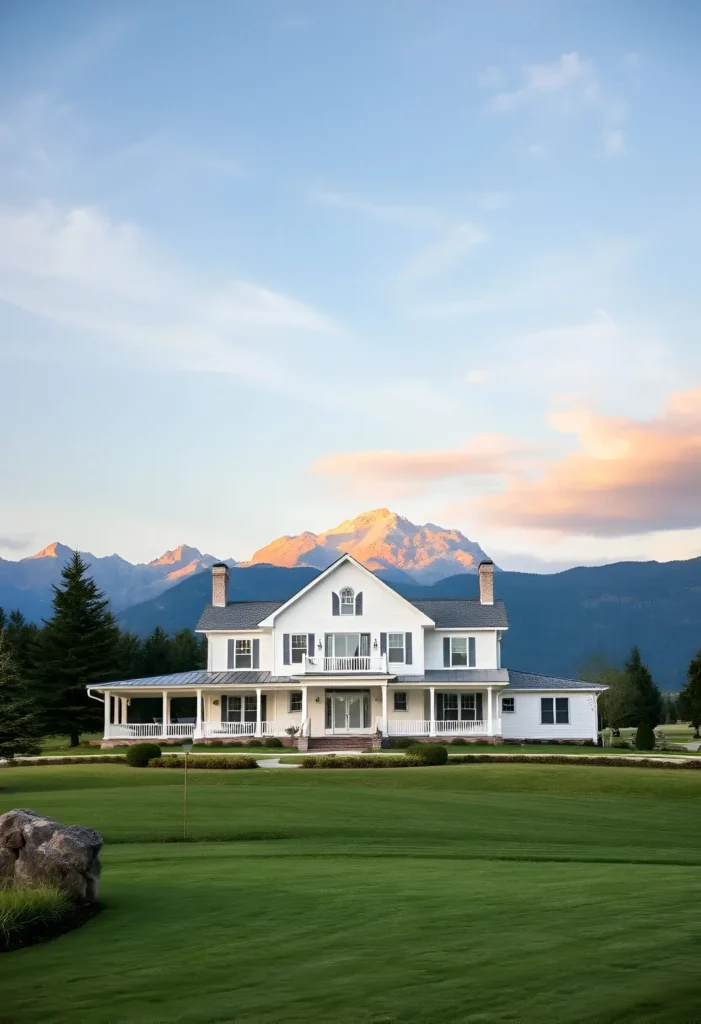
383	643
225	708
408	651
335	609
478	707
359	603
471	652
439	707
446	652
310	645
264	707
256	654
230	653
285	648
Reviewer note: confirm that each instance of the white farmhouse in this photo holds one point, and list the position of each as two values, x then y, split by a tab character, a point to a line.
348	662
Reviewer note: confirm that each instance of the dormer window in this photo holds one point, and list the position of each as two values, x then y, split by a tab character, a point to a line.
347	601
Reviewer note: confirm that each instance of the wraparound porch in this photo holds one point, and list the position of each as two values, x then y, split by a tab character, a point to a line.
349	708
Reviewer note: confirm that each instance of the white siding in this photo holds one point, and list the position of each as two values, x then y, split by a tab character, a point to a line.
485	647
383	612
525	723
217	650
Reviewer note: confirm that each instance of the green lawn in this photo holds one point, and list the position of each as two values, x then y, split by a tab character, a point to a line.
468	893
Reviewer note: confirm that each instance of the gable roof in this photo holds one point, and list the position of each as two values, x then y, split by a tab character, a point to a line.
236	615
455	613
322	575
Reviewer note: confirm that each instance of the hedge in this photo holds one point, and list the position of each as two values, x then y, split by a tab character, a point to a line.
363	761
620	761
139	755
428	753
85	759
216	761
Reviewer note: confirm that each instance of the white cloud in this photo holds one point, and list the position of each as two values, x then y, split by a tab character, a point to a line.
445	254
491	78
412	216
568	73
110	282
477	377
614	142
537	149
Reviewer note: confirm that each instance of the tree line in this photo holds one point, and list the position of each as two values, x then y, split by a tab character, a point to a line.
633	698
44	671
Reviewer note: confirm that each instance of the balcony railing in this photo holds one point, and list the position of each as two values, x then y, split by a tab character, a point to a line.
313	664
150	730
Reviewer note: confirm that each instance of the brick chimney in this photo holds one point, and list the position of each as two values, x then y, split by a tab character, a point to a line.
486	581
220	584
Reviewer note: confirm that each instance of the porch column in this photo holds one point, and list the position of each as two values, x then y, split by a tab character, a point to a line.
166	714
305	712
123	705
489	712
198	719
385	725
108	713
432	723
259	703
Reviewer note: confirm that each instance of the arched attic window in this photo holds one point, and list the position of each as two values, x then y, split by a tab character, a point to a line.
347	601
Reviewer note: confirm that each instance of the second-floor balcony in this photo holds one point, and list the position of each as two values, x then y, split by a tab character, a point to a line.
318	664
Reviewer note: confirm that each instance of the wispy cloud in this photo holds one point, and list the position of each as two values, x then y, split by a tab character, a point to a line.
108	279
444	255
412	216
614	142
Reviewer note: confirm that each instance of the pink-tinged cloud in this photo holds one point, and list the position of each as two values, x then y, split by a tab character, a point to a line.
485	455
629	476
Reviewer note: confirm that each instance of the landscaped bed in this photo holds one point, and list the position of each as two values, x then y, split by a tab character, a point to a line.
30	914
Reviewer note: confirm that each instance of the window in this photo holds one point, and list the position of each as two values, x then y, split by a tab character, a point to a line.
244	654
400	702
347	601
347	645
508	705
458	651
395	647
296	700
554	711
239	709
298	647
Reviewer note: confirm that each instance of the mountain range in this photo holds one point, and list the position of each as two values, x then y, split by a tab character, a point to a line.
380	539
556	619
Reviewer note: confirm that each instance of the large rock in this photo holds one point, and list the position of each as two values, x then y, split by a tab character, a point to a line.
34	849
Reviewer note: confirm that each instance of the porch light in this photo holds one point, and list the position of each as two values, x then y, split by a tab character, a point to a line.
318	646
374	646
215	703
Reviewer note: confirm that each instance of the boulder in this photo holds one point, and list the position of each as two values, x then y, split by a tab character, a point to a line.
36	849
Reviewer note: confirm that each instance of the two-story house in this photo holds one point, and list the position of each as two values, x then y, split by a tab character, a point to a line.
347	661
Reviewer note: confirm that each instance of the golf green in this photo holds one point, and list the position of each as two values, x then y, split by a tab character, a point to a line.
465	893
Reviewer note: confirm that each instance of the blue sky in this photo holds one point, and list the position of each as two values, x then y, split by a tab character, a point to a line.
264	266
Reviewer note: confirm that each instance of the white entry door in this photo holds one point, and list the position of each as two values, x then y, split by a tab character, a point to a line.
347	711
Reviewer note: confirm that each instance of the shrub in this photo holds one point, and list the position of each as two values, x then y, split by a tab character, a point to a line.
254	743
614	761
645	737
428	753
404	741
28	914
459	741
85	759
214	761
273	741
139	756
362	761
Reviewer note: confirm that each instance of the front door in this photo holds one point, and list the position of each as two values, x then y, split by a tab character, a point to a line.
347	711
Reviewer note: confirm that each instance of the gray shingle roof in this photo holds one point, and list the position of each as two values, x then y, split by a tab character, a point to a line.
454	613
236	615
459	675
530	681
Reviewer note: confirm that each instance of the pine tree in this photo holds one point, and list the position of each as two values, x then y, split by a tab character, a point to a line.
187	652
20	636
156	654
648	699
689	702
79	645
20	720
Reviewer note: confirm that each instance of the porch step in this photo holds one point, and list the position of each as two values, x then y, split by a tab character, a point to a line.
339	742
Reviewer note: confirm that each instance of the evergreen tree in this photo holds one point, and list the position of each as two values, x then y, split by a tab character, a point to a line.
20	720
79	645
20	636
689	702
187	652
156	654
129	656
648	699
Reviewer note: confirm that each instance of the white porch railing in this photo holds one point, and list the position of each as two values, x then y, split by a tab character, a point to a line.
409	727
218	729
319	663
150	730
